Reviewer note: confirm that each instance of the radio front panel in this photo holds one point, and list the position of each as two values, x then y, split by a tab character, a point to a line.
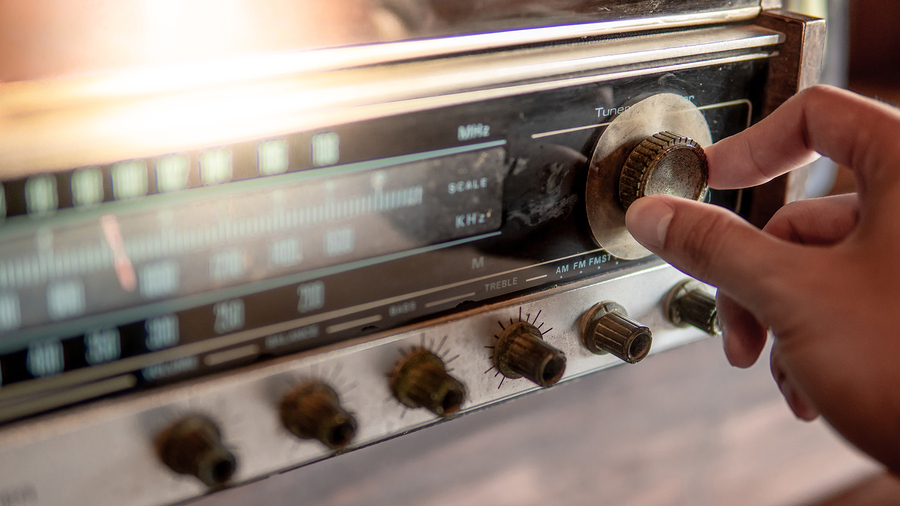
392	245
434	209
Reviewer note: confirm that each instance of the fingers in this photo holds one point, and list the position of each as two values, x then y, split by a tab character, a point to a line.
744	337
821	221
850	129
716	246
797	400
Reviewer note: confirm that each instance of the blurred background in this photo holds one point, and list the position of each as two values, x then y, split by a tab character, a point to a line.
873	58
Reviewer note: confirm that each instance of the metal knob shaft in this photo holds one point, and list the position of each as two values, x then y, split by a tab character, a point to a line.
193	445
608	329
313	411
522	351
420	380
689	304
664	163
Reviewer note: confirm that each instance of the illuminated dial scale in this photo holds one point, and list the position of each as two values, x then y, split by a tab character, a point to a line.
160	268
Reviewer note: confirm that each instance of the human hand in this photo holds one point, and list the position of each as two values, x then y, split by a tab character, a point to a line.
823	274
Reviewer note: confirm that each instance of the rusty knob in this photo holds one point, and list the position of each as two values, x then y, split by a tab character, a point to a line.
665	163
313	411
608	329
420	380
193	445
522	351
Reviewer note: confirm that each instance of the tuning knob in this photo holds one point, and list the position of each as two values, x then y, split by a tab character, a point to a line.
193	445
688	303
664	163
521	351
313	411
420	380
608	329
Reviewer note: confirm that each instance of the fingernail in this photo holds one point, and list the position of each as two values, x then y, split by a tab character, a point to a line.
733	353
727	348
648	220
796	403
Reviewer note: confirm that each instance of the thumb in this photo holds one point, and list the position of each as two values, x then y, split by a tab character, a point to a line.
714	245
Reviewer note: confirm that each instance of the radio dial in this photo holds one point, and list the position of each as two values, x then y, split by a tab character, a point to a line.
639	153
665	163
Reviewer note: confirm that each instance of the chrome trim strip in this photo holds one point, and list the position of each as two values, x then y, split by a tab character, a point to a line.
222	357
69	396
368	55
41	134
416	105
451	299
242	69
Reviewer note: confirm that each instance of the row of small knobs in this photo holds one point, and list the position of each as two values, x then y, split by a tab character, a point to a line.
193	445
420	379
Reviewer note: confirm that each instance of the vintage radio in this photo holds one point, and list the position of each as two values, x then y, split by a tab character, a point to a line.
218	269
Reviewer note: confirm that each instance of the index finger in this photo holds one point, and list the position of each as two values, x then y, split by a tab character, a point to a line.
852	130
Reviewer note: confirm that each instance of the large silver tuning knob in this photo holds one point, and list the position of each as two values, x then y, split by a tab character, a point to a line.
639	153
664	163
608	329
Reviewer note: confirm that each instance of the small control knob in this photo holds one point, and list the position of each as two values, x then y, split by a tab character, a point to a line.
193	445
608	329
664	163
521	351
313	411
689	304
420	380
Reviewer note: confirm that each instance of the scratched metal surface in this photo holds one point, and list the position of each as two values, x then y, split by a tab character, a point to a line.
682	427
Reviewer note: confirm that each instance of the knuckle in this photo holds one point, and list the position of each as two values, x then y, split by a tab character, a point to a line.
780	224
819	93
700	241
782	214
